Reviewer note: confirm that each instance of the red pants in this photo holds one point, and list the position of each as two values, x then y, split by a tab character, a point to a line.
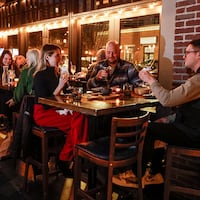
74	125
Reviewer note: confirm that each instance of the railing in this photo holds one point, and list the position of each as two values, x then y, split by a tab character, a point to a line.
16	13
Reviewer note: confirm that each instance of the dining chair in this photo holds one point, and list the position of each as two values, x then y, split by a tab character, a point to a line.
121	149
182	173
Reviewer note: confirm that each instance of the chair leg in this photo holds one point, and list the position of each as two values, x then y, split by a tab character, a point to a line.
45	167
139	174
25	186
109	183
77	175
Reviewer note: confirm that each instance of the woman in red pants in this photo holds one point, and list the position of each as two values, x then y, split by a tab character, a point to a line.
47	82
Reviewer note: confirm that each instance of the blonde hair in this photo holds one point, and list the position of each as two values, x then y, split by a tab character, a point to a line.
47	50
33	56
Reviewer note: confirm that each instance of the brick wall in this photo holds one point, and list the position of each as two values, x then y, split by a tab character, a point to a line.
187	27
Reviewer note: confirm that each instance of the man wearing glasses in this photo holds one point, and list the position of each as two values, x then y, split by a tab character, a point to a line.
183	129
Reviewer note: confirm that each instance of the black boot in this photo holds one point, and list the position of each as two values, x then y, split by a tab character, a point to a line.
66	168
157	161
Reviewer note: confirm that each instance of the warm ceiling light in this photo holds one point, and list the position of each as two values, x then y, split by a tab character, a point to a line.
72	21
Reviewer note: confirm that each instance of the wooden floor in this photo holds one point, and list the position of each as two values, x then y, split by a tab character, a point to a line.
11	186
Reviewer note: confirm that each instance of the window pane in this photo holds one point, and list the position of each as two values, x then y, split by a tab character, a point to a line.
139	38
13	44
35	40
61	37
93	37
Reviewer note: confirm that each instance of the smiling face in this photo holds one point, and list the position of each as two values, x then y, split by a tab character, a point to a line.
20	61
112	52
7	60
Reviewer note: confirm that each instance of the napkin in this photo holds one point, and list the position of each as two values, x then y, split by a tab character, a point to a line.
64	112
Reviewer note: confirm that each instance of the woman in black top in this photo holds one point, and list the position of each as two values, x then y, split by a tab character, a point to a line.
47	82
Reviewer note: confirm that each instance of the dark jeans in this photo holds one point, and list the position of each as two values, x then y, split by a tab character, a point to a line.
168	133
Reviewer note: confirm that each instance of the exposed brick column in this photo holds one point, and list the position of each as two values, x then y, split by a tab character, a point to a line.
187	27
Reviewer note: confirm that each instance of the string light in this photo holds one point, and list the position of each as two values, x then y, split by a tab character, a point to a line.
139	9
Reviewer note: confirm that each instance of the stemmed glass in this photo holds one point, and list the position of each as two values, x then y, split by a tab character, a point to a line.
73	70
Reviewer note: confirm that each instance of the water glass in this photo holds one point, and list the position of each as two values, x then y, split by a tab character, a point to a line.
77	93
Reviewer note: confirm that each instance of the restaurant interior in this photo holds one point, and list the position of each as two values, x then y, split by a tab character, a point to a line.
81	28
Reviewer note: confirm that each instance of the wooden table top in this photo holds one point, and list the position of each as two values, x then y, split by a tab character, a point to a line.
100	106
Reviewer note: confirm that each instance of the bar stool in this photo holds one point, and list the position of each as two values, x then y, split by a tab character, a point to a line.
50	140
50	145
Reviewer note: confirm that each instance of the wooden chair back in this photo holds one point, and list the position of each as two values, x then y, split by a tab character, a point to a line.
182	173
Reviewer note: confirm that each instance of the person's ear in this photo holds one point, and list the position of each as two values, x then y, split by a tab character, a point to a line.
47	57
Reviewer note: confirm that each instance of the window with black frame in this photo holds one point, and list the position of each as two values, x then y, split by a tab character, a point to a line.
60	37
139	38
35	40
93	37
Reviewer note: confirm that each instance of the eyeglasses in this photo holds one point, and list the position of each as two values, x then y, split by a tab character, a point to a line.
192	51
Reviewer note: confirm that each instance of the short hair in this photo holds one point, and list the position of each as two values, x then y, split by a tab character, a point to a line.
101	55
195	43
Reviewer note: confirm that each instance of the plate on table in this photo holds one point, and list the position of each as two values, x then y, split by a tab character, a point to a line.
97	89
149	96
100	96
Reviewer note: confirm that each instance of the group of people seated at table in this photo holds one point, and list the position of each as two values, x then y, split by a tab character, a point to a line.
42	75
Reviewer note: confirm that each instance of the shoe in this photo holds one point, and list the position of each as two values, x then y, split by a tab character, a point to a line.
66	168
150	179
125	179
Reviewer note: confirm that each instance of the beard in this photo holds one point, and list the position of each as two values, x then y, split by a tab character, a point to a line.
114	62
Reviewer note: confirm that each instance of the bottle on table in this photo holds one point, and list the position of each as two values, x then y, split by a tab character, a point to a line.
5	75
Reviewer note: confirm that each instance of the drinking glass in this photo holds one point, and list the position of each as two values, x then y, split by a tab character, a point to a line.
108	70
11	76
73	70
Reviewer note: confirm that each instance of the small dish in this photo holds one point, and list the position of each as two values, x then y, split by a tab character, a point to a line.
149	96
141	90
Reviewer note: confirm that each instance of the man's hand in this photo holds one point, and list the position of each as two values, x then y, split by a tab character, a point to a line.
146	77
102	74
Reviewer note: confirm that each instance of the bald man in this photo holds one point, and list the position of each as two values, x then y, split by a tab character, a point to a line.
113	70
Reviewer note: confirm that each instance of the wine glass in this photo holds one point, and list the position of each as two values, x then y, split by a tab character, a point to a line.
73	70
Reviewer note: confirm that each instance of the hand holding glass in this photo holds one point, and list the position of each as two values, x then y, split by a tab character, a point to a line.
107	71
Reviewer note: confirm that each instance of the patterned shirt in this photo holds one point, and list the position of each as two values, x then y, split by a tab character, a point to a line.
124	72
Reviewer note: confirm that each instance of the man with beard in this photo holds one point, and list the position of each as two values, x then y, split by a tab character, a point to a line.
113	71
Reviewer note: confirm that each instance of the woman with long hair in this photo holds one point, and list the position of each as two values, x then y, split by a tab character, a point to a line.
47	82
25	84
6	59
